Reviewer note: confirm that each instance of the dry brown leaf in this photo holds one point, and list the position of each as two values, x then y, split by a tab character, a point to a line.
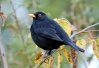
95	44
74	57
73	28
38	58
3	18
67	55
49	62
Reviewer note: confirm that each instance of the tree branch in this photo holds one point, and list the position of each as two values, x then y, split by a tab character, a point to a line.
42	61
34	5
91	31
75	33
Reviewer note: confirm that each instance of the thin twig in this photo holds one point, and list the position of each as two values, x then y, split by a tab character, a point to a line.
72	12
42	61
74	34
85	39
91	31
34	5
83	14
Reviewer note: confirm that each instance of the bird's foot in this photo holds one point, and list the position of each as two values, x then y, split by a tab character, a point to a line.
50	52
45	55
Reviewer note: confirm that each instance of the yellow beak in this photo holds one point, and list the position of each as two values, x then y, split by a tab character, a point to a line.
32	15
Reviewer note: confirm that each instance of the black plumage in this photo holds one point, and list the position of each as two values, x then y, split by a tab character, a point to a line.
48	34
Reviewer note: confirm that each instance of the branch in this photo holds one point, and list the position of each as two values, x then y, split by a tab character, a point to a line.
42	61
34	5
74	34
91	31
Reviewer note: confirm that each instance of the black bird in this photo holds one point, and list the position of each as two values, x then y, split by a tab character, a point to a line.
48	34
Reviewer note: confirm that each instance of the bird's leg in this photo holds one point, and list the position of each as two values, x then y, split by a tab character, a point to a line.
50	52
46	53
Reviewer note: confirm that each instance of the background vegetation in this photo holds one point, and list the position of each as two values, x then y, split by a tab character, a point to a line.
18	45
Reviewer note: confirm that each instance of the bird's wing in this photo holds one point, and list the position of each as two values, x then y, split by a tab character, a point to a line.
49	33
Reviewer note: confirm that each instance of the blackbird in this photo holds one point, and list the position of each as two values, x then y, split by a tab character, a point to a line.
48	34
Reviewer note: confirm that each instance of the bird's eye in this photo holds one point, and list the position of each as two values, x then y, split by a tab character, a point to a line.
39	15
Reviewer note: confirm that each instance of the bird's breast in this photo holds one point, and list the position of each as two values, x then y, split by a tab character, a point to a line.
38	40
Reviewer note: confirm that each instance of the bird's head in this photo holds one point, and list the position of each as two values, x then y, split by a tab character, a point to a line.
38	16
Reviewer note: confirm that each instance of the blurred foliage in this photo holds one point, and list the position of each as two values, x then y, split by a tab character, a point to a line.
95	45
65	24
20	49
81	43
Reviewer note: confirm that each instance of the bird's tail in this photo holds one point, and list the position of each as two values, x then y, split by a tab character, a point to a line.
73	45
